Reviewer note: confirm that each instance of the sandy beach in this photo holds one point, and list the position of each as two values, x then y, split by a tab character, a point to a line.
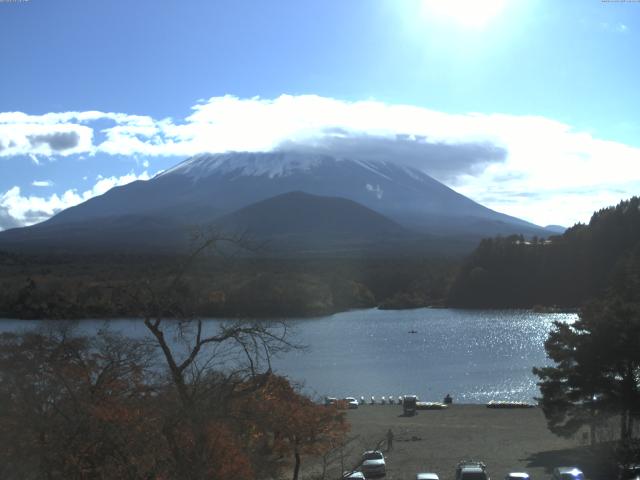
507	440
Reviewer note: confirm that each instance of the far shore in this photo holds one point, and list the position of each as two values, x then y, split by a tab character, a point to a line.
8	316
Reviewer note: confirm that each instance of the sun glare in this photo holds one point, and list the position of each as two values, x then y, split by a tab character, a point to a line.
467	13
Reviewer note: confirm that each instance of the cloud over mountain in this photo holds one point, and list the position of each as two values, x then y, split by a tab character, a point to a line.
442	160
485	156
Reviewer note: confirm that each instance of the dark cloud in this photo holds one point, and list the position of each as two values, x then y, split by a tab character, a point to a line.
444	161
57	141
6	220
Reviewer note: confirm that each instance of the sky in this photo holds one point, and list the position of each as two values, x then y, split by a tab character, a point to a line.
533	102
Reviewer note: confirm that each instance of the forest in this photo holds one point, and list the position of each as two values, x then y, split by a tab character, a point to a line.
100	286
561	271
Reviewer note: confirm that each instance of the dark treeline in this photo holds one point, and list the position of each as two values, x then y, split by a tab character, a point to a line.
503	272
99	286
561	271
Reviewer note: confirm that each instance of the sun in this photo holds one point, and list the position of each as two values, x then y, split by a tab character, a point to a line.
466	13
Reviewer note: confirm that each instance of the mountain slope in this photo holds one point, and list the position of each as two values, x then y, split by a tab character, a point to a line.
299	213
292	222
116	233
206	186
300	222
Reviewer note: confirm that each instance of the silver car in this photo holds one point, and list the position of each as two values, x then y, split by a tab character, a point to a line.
373	464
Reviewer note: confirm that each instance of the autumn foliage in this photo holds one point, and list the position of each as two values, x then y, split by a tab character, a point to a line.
102	407
287	423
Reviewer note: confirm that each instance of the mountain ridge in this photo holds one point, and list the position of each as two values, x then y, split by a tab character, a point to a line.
207	187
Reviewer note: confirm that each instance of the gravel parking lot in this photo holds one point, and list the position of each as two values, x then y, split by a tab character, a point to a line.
506	440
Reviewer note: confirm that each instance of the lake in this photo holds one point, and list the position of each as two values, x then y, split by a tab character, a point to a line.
475	355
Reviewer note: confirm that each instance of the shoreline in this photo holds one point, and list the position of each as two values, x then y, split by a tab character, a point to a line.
4	316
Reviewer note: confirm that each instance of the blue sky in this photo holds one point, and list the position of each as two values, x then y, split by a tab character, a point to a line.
554	84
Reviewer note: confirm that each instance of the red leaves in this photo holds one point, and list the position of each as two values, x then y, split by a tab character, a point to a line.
292	420
228	457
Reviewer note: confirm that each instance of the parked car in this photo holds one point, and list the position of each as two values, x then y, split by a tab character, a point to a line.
351	402
353	475
330	401
471	470
630	472
427	476
517	476
567	473
373	464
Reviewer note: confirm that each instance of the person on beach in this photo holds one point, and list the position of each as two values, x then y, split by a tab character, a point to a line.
389	440
448	400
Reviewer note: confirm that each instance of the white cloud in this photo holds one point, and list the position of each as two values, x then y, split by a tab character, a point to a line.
548	172
25	210
42	183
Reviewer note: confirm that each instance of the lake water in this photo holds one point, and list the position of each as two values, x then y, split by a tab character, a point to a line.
474	355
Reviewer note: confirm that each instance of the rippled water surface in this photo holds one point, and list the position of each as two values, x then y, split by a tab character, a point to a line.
474	355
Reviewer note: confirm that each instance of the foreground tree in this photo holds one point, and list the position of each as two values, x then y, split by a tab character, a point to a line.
195	400
289	423
597	371
82	407
211	367
76	407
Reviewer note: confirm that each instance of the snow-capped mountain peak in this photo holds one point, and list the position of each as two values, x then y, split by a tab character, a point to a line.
207	186
272	165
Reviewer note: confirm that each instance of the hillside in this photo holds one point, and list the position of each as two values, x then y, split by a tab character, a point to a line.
302	214
563	271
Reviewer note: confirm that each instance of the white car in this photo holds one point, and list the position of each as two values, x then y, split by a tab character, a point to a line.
427	476
517	476
351	402
373	464
353	475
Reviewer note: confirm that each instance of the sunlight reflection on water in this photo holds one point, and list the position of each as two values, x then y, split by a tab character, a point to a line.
476	355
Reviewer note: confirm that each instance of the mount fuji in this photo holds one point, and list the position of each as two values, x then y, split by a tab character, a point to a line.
397	201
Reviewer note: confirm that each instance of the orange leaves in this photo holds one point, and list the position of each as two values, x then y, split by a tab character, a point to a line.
292	420
228	458
90	407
